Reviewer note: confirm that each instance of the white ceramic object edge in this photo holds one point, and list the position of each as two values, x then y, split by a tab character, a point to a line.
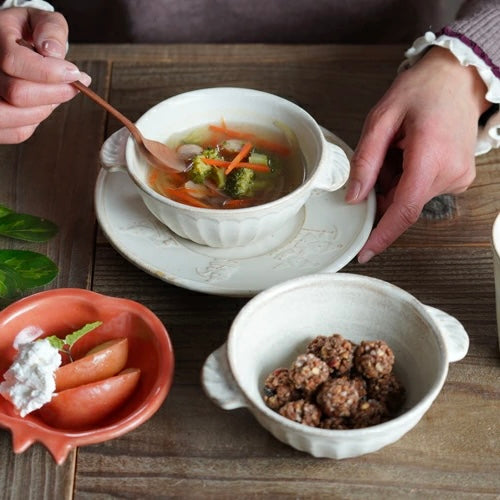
454	335
222	388
332	179
112	154
231	228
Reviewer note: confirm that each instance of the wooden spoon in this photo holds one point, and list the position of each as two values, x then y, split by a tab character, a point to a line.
156	153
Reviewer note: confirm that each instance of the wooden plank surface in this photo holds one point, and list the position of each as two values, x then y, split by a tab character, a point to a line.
190	448
53	175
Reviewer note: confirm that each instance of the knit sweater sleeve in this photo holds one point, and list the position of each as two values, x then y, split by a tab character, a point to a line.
474	39
478	26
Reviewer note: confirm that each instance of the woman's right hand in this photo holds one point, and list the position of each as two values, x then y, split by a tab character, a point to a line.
33	84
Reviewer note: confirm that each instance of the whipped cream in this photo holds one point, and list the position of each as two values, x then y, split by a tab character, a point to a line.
29	382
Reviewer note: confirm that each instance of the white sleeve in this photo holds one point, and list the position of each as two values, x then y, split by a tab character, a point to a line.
489	135
35	4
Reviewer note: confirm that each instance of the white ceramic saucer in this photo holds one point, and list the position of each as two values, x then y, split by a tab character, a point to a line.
327	235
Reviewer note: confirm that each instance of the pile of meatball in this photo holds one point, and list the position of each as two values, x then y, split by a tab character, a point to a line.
337	384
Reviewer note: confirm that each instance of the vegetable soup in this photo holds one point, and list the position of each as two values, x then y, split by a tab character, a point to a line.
232	166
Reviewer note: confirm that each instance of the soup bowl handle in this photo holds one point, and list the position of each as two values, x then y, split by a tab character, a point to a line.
454	334
218	381
333	170
112	155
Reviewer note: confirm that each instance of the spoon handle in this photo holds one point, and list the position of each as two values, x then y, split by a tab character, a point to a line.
99	100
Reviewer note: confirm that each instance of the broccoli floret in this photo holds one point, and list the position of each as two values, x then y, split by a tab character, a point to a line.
239	182
219	177
211	153
199	170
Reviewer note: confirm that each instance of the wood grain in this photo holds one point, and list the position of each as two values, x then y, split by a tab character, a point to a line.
53	175
190	448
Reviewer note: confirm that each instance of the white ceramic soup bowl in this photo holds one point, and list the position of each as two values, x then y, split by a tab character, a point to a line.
276	325
326	165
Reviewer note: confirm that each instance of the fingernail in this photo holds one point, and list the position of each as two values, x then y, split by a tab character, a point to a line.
353	190
53	48
85	79
71	74
365	255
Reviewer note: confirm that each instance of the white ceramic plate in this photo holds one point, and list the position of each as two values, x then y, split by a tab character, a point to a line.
326	237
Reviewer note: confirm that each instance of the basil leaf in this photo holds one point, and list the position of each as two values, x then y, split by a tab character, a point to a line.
73	337
4	210
31	269
26	227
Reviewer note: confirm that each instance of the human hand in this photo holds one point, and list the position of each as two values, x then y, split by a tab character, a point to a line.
428	122
32	84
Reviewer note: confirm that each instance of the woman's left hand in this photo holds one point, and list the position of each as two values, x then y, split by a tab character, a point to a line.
428	122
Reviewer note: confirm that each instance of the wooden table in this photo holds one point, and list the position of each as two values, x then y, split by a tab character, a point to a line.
191	448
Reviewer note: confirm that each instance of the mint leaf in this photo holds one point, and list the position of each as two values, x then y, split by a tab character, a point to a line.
4	210
56	342
70	339
9	283
31	269
25	227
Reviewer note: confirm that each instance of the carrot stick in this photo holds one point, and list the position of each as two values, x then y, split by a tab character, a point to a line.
259	167
263	143
273	146
242	154
182	195
216	162
231	133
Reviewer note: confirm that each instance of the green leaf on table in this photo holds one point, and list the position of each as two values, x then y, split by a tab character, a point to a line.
31	269
9	286
25	227
4	210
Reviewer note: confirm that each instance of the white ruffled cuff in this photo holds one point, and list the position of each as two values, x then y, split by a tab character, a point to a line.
489	135
35	4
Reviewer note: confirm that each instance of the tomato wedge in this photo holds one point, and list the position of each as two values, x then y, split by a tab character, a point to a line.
82	406
103	361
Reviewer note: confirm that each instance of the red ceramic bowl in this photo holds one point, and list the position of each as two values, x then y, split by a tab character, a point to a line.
62	311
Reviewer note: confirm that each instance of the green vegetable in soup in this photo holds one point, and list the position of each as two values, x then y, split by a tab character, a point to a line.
258	158
239	166
199	171
240	182
219	177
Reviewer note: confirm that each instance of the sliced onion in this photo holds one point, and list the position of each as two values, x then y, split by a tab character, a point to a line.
187	152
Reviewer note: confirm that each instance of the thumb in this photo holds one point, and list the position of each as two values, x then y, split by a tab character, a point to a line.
50	33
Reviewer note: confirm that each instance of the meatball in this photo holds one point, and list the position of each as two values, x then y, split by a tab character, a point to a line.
338	397
302	411
373	358
308	372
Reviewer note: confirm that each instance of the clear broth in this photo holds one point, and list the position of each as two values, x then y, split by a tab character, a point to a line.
286	166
